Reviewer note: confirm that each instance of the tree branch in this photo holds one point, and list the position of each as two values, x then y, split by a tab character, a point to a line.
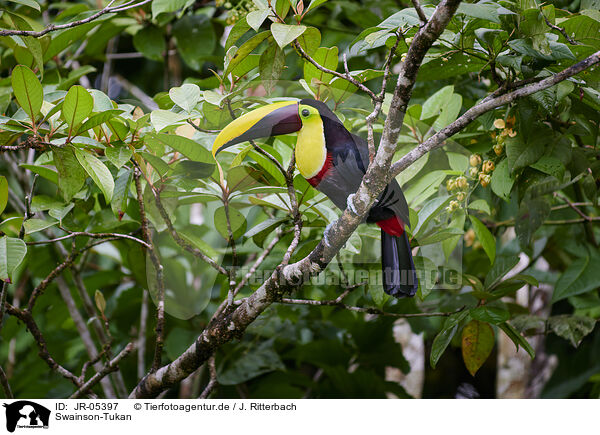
52	28
486	105
26	317
109	367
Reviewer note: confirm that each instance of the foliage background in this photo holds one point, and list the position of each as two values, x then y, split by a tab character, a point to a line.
171	61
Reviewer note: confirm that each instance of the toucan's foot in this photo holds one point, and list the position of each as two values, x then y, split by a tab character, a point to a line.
350	204
326	235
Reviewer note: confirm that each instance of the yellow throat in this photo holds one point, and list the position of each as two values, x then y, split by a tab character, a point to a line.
310	146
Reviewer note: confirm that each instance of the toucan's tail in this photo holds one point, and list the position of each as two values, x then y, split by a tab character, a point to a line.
399	274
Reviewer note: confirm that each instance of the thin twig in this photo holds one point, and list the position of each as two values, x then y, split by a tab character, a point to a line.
346	76
26	317
111	366
158	269
5	384
367	310
212	383
559	29
72	234
54	27
420	12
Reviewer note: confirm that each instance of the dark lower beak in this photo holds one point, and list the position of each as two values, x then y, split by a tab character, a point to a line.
266	121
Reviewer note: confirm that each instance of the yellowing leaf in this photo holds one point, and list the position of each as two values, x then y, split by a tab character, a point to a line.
477	344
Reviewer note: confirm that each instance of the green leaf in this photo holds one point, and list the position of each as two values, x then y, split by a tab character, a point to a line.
521	154
192	150
237	31
477	343
315	4
501	266
97	171
120	192
77	106
35	225
118	155
71	176
480	205
427	271
29	3
97	119
378	295
186	96
28	90
162	119
532	214
257	361
12	253
47	173
194	170
502	182
150	41
488	314
571	328
270	66
286	33
580	277
163	6
485	237
434	104
517	338
444	337
310	40
192	234
256	18
246	48
326	57
100	301
195	38
157	163
261	231
3	193
485	10
237	222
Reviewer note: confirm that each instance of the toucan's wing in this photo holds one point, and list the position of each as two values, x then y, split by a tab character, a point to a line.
345	174
349	162
392	200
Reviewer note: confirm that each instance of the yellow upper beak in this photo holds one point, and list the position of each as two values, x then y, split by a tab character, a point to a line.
276	118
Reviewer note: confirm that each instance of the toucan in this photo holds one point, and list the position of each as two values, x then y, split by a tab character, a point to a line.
334	161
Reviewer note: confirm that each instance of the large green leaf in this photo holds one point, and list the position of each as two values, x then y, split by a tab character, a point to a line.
580	277
77	106
71	175
12	252
237	222
485	237
572	328
192	150
286	33
97	171
186	96
246	48
444	337
502	182
28	90
195	38
270	66
150	41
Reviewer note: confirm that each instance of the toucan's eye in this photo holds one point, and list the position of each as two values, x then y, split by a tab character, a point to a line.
305	112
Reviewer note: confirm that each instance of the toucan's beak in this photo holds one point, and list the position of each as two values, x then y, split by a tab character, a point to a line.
266	121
